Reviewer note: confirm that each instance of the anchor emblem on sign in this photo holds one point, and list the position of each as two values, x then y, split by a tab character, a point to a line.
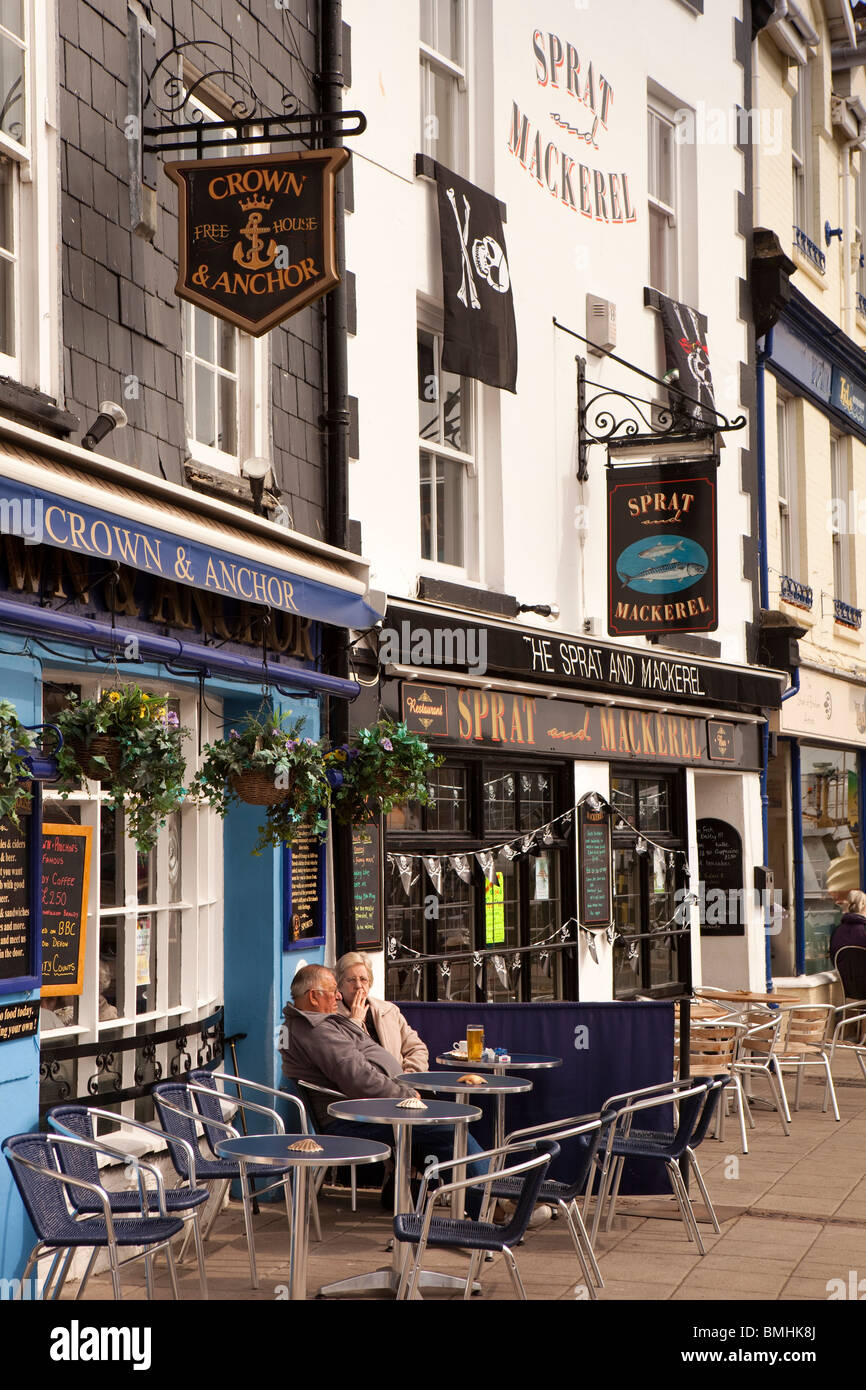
255	235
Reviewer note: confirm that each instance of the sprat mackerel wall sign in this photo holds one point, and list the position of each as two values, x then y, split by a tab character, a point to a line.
256	238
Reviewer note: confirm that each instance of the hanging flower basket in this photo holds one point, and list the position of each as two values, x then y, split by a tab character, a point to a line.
130	741
100	759
386	766
16	741
264	763
258	788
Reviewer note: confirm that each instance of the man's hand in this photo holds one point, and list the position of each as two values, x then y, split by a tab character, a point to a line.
359	1008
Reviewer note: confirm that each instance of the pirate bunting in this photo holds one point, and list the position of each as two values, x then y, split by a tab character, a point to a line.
480	337
686	352
256	239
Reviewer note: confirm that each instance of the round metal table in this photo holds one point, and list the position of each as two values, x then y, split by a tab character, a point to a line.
497	1085
518	1061
276	1149
387	1111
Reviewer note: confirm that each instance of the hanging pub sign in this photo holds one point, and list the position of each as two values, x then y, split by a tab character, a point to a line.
661	548
256	237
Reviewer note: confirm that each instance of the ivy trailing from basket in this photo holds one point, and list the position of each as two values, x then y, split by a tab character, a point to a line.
15	743
286	770
384	766
132	742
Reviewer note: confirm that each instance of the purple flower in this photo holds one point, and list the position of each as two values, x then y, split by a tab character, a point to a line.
171	720
291	745
233	734
353	753
311	742
387	745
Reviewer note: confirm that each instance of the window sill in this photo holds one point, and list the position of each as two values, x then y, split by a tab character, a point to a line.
847	634
804	616
808	268
35	409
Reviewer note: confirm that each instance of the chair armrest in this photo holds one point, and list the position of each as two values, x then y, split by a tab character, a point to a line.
242	1105
195	1118
161	1134
69	1181
612	1102
482	1181
277	1093
562	1129
540	1130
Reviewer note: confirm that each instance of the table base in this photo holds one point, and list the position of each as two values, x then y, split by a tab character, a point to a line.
388	1281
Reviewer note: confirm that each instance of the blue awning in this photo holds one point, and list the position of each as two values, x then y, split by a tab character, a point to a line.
103	520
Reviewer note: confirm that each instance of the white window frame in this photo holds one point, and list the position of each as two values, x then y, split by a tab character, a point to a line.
200	905
841	483
802	162
790	541
465	459
658	116
252	367
437	63
35	362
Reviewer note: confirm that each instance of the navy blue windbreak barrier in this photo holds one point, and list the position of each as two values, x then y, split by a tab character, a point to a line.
606	1049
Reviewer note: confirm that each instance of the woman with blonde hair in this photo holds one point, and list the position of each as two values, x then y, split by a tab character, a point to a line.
382	1020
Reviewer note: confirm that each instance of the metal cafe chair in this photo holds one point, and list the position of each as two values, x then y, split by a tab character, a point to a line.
39	1176
179	1116
424	1229
848	1016
696	1105
757	1057
714	1046
77	1121
806	1045
209	1099
320	1177
590	1132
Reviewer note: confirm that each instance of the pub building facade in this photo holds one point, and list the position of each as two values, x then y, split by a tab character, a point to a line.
569	230
192	552
809	293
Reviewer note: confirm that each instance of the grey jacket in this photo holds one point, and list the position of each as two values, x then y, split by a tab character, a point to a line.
331	1050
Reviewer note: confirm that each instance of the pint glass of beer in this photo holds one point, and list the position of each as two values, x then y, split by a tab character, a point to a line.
474	1042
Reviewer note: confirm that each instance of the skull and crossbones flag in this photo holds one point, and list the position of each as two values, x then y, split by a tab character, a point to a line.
480	338
686	352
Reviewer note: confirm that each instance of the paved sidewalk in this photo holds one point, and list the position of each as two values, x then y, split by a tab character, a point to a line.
792	1213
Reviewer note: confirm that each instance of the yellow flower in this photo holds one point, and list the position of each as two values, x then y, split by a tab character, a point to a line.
114	696
142	714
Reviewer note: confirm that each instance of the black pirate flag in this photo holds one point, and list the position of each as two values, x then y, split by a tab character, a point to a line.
686	352
480	333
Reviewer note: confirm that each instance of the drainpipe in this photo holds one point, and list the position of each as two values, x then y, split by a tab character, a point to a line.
764	590
335	420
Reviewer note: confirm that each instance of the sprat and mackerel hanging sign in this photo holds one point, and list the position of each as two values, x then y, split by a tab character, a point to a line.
256	238
662	548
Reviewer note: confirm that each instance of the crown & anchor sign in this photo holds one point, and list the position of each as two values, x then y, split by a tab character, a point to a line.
256	238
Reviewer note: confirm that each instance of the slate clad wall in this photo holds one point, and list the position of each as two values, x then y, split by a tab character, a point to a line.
120	314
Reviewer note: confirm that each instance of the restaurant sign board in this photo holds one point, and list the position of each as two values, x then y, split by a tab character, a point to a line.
256	235
472	717
662	553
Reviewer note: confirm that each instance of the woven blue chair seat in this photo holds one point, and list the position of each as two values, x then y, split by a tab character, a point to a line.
448	1234
176	1199
551	1191
126	1231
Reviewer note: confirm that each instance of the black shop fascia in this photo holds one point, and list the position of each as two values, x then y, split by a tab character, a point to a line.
497	686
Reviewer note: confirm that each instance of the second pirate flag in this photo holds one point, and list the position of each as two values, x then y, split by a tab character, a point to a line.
480	338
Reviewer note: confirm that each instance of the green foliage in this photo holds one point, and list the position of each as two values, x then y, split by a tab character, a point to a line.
385	766
294	763
148	785
15	743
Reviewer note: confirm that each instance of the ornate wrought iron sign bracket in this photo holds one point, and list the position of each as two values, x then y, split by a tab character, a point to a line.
614	417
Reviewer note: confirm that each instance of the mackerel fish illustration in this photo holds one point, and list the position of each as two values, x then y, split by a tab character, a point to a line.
655	552
657	574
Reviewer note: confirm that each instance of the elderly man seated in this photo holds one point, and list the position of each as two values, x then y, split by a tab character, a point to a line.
381	1019
321	1045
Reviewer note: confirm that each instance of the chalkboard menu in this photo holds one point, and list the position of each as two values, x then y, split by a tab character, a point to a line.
15	914
65	877
304	891
594	867
722	898
367	891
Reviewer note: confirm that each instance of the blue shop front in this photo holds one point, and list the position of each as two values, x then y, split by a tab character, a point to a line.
106	578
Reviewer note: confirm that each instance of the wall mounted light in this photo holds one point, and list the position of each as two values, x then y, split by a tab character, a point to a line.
544	610
830	232
110	417
256	470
